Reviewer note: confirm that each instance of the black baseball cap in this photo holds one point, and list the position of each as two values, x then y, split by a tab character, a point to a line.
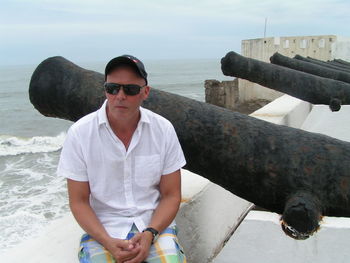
127	60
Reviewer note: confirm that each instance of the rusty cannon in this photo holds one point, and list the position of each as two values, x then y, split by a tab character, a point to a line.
343	63
309	67
305	86
298	174
330	65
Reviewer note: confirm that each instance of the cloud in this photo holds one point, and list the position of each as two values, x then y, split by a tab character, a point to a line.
155	28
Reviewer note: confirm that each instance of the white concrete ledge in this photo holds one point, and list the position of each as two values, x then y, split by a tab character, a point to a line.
58	242
208	220
285	110
260	239
335	124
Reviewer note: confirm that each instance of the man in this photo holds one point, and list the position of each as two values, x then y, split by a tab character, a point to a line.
122	165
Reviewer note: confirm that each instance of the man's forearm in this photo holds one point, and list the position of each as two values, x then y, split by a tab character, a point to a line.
165	212
79	193
162	217
88	220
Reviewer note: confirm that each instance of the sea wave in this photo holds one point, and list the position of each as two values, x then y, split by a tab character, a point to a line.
12	145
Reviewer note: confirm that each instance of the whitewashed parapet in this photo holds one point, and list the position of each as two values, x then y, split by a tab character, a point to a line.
260	239
207	219
335	124
285	110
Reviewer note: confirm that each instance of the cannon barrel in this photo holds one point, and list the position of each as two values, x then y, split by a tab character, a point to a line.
343	62
305	86
299	174
339	64
321	63
308	67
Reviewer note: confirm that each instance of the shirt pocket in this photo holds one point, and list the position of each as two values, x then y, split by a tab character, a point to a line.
147	170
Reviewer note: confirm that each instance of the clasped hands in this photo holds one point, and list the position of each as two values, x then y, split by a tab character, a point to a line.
134	250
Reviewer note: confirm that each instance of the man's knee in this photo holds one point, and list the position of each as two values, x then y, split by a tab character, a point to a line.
167	248
91	251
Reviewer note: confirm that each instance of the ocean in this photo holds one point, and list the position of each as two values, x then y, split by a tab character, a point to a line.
31	194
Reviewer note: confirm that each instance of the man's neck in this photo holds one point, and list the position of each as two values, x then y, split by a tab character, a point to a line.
124	128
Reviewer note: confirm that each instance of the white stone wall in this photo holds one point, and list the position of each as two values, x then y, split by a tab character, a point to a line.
286	110
261	239
341	49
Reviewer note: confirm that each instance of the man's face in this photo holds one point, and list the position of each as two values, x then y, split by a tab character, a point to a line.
122	105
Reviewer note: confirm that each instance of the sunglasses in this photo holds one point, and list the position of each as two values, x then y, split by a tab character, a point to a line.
129	89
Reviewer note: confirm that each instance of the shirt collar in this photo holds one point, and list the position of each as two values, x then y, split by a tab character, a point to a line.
144	115
102	115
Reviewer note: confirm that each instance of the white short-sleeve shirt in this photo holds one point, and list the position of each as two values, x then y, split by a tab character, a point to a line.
124	183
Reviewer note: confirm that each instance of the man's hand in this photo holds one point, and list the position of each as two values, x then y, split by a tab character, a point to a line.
122	250
144	241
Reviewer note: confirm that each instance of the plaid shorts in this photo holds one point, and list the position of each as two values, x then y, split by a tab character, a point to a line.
165	250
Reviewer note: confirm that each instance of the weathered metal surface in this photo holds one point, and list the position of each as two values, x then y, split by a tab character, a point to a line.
69	82
305	86
311	68
282	169
339	63
343	62
321	63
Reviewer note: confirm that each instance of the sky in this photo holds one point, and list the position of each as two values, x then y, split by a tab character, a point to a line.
98	30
